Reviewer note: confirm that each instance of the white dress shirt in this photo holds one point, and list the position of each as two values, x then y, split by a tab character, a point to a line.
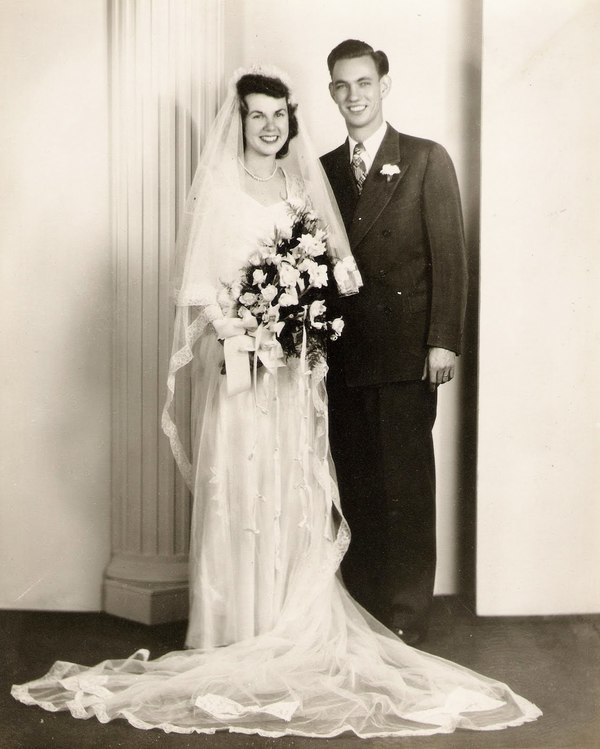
371	145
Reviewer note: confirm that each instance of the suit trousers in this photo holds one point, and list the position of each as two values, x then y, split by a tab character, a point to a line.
382	448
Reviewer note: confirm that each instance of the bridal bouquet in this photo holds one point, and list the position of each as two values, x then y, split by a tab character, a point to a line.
283	288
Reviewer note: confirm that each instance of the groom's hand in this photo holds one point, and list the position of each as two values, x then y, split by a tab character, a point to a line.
439	367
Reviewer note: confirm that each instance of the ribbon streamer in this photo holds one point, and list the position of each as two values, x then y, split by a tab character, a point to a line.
266	348
237	363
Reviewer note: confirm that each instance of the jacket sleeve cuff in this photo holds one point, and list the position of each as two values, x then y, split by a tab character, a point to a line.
439	340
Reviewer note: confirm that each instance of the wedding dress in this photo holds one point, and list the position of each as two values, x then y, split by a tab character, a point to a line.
276	645
261	476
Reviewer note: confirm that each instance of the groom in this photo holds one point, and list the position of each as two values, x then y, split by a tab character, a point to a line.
399	199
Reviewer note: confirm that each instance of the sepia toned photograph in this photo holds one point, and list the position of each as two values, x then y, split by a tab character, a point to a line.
300	340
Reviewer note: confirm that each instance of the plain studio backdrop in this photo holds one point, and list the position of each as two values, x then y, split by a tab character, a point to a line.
509	87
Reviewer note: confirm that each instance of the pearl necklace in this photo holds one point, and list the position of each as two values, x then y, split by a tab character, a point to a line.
256	177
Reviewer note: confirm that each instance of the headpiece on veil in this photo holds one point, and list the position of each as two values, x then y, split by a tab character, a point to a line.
211	226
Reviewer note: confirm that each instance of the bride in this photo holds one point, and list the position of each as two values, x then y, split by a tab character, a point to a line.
275	644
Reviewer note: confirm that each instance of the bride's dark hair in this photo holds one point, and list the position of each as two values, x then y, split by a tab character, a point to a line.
253	83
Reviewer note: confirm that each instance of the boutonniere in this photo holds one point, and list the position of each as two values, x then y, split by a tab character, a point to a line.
389	171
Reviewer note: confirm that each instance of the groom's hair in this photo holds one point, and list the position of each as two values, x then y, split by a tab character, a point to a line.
354	48
254	83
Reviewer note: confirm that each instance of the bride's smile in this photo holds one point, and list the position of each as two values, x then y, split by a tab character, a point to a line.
266	125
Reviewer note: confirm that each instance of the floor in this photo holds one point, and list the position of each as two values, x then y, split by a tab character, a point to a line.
553	661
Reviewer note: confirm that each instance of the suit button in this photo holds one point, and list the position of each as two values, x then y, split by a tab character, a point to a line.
386	233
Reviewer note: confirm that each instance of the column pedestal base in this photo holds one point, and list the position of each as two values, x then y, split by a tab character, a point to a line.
146	602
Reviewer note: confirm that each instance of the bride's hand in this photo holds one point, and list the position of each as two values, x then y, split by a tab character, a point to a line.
228	327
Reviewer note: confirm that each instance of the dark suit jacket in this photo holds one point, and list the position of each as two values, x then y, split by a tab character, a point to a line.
407	237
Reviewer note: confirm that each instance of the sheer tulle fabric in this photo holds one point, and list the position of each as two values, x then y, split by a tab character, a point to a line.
300	656
324	669
216	222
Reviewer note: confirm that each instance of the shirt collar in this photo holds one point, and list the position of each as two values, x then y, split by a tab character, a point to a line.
371	143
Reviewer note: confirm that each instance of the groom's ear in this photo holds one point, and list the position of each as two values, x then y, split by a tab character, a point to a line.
385	85
331	93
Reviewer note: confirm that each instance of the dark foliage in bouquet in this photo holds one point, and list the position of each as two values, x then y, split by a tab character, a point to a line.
284	287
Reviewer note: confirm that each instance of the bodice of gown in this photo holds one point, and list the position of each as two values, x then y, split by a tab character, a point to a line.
260	223
257	224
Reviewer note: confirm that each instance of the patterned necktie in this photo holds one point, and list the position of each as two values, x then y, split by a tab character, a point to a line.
358	166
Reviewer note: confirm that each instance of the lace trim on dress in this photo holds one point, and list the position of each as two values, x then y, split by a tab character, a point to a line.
180	359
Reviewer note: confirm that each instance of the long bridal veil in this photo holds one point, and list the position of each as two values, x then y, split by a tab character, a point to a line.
325	666
212	227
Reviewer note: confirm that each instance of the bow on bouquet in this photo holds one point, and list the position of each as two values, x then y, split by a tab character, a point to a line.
280	298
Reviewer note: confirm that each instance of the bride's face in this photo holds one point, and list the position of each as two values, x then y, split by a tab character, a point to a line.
266	126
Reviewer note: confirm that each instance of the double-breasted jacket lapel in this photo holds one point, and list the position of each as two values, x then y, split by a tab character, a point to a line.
343	183
378	189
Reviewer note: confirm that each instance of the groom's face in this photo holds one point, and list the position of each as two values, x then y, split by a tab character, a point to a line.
358	91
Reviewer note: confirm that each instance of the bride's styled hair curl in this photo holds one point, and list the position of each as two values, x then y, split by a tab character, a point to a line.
259	83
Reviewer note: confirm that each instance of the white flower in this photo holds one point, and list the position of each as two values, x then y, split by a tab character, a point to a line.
316	309
248	299
273	259
318	276
389	170
307	265
284	229
288	275
337	325
255	258
269	292
258	277
289	298
312	246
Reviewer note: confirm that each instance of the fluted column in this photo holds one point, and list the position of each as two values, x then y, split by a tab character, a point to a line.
166	58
